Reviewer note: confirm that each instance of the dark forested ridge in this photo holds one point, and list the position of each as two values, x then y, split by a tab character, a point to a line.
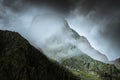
21	61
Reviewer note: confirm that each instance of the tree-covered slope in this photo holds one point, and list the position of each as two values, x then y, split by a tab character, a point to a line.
21	61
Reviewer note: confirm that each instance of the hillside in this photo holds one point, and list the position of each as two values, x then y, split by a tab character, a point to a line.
90	69
21	61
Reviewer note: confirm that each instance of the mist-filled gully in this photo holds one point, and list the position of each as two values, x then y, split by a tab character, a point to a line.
61	36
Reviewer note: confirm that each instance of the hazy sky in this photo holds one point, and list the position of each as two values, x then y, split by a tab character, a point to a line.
97	20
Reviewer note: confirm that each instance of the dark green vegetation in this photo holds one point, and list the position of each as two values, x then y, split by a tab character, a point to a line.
21	61
90	69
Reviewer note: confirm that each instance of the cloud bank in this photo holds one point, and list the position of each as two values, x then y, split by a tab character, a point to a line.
46	24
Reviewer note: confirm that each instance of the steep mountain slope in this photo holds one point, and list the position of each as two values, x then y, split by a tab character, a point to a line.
56	38
117	64
65	43
90	69
20	61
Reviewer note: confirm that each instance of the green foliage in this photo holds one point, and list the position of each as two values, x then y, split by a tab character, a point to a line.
90	69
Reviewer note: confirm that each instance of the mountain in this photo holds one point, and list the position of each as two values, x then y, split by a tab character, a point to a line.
65	43
90	69
21	61
117	64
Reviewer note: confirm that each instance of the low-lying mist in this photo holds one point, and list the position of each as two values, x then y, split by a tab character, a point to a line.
58	35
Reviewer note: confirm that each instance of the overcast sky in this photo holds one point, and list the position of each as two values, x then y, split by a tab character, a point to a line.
97	20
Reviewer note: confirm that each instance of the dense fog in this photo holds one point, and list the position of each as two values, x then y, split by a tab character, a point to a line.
52	26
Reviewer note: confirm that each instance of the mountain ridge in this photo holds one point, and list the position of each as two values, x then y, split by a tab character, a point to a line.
21	61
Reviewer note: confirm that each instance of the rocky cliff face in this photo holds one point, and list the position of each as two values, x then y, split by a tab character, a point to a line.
21	61
90	69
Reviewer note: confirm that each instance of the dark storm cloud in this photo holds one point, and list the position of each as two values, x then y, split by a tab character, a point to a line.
102	7
112	31
109	11
105	14
64	6
105	11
